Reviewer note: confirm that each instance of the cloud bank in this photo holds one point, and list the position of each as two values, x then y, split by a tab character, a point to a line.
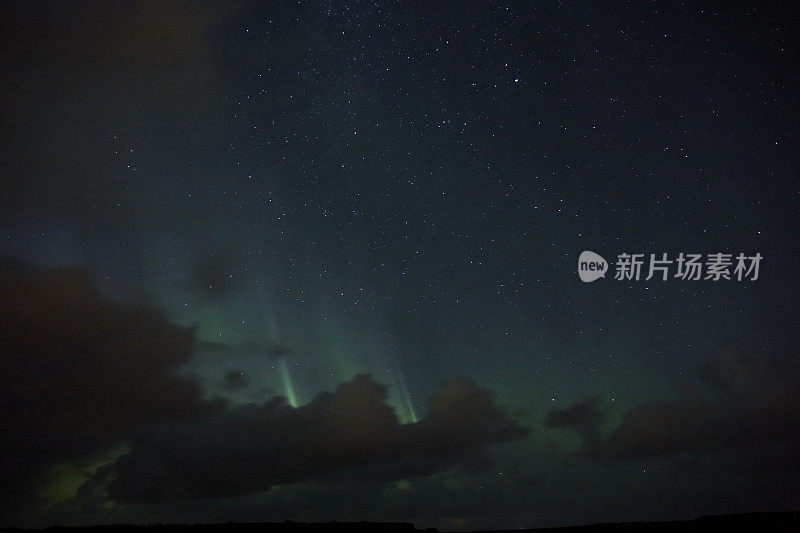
82	373
756	402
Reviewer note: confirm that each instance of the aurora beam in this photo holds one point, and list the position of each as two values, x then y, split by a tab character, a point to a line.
288	387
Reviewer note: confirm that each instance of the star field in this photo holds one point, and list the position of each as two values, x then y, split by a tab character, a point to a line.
301	194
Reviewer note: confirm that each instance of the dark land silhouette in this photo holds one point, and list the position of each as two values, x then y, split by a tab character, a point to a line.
783	522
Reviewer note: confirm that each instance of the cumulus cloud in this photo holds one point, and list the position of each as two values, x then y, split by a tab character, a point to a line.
251	448
757	402
80	372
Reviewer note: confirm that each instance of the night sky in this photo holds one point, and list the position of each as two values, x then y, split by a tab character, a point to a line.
319	261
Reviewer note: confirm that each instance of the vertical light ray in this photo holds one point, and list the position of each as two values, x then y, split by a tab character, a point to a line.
345	370
288	387
411	414
405	396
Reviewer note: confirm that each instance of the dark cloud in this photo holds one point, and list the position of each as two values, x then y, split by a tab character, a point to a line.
80	372
87	87
584	418
249	449
235	380
757	403
127	40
